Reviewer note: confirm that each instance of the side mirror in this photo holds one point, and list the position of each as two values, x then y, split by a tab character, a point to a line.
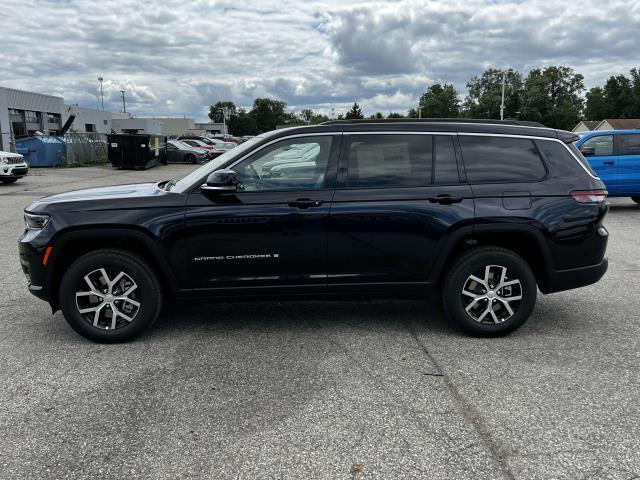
221	181
588	151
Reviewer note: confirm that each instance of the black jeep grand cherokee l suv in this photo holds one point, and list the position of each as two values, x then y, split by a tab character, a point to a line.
487	212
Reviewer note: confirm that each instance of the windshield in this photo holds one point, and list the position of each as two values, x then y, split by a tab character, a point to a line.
202	172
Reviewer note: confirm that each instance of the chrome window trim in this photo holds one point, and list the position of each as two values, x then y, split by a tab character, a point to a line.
197	185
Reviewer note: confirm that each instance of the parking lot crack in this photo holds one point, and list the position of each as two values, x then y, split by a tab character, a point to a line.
468	410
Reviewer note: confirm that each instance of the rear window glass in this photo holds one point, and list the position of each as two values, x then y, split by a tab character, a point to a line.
581	159
501	159
629	144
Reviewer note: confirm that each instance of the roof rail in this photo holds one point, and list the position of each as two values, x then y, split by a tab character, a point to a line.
521	123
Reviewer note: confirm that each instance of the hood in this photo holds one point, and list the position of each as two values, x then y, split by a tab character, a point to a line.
10	155
136	190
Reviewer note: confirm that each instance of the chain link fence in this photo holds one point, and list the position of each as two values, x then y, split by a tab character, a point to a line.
83	149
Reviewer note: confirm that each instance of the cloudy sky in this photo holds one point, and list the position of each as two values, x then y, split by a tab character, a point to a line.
176	57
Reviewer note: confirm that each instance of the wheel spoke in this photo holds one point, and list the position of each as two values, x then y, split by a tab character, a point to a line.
473	304
470	294
115	281
510	299
86	294
493	314
128	300
90	309
478	280
126	317
510	282
131	289
484	314
507	306
503	275
487	274
96	318
90	283
114	317
105	277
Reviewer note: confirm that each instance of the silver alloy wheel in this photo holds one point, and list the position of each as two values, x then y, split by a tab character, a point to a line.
494	298
111	302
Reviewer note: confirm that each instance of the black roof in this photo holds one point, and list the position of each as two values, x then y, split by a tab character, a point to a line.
463	125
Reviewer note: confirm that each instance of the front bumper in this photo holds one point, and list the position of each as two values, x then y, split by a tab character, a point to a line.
13	171
31	262
560	280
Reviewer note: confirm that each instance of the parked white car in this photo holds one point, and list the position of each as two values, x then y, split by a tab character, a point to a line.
12	167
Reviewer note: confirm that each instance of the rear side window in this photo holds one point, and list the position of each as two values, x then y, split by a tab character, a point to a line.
379	161
629	144
501	159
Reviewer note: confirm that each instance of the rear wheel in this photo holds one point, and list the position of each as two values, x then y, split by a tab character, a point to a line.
489	292
8	180
110	296
636	199
190	158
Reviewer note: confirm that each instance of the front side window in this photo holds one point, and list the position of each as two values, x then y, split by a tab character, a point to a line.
629	144
388	161
501	159
601	145
292	164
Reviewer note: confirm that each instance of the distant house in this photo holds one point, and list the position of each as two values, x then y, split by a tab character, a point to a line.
586	126
619	124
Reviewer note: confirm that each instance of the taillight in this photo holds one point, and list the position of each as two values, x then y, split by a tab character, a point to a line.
589	196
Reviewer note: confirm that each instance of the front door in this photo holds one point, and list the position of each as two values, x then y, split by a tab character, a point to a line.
599	152
393	207
271	235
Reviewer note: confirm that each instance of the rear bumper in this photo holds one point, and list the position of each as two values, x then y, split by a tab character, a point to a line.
560	280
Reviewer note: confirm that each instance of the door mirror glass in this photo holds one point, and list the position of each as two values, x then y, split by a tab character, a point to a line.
225	180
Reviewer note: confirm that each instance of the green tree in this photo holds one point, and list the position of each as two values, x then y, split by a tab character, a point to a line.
355	112
376	115
485	94
440	101
242	123
618	94
216	111
395	115
552	97
268	113
596	104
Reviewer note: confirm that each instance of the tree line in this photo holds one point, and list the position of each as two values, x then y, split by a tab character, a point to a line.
553	96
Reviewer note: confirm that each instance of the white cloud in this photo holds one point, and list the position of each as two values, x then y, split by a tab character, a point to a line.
176	57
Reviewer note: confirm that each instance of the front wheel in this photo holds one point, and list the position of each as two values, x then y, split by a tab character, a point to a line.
636	199
110	296
489	292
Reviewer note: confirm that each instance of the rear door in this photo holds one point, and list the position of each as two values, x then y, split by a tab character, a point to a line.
600	153
628	149
393	208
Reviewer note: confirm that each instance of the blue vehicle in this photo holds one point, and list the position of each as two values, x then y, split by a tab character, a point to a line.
615	157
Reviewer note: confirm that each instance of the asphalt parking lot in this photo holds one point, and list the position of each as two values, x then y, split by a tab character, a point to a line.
336	390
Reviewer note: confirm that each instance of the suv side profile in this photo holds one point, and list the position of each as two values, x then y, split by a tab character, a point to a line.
486	212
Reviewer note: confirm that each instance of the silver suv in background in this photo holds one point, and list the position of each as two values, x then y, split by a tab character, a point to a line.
12	167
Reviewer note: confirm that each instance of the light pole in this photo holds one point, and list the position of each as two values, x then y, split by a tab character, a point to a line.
333	113
124	105
502	104
100	79
419	112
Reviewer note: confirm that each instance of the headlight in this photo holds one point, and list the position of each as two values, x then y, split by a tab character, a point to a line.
3	160
35	222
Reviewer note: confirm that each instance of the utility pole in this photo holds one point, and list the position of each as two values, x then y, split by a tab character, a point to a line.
100	79
124	105
502	104
333	113
419	112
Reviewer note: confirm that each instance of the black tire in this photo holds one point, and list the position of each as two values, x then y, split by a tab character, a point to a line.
8	180
147	293
190	158
636	199
498	320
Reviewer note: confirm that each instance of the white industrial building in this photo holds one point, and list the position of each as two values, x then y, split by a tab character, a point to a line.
26	113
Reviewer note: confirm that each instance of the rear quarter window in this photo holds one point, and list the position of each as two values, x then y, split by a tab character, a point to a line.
629	144
501	160
561	162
